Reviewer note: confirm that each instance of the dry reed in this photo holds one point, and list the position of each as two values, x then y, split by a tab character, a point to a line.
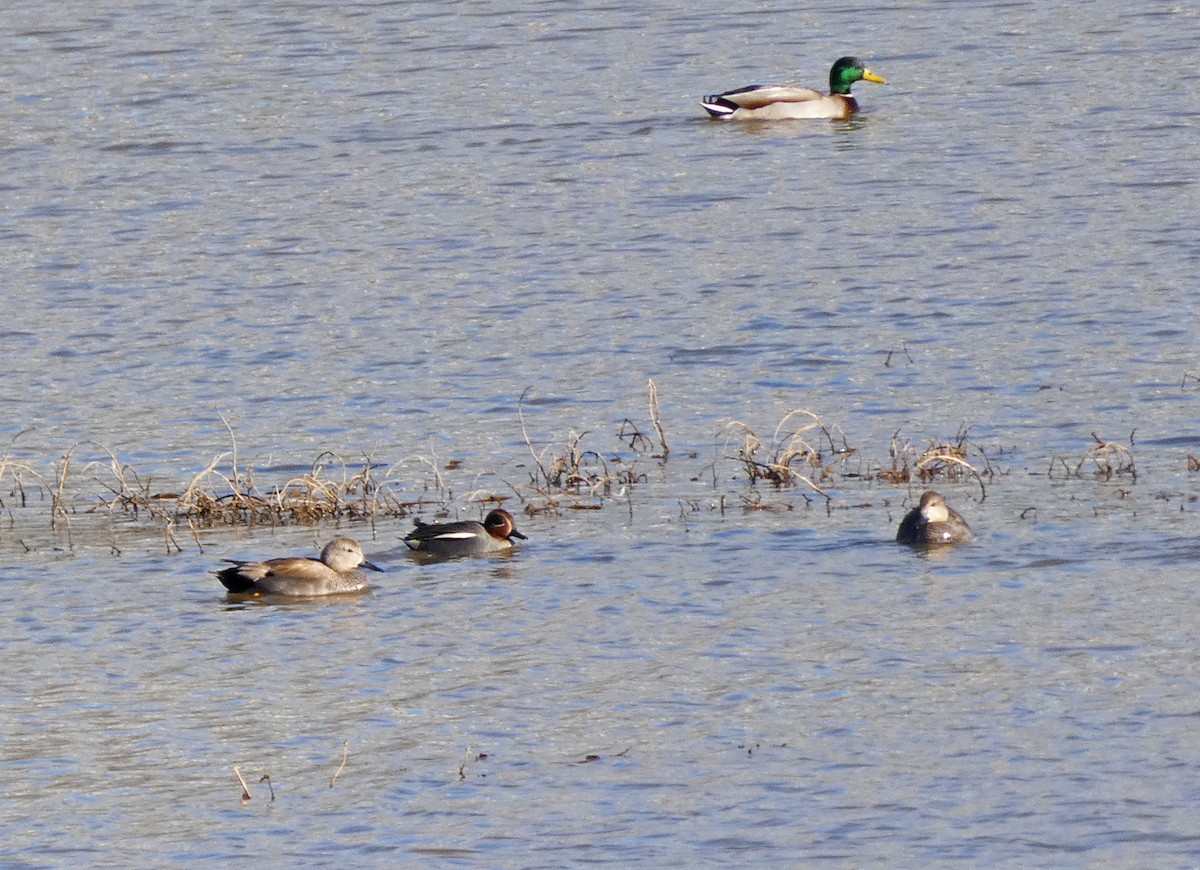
1108	460
342	766
801	450
580	478
940	460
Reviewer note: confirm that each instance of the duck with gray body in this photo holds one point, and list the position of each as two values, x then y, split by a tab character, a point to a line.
335	572
788	102
469	538
933	522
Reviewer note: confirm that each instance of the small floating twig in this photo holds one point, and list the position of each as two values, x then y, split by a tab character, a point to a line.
462	768
656	419
245	788
342	766
887	363
169	532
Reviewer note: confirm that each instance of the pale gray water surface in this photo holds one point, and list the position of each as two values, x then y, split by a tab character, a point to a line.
368	228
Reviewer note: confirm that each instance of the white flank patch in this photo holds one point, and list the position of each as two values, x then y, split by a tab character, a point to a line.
454	536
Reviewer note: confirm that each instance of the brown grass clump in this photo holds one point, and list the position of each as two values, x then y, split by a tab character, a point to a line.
19	476
332	490
940	460
315	497
122	491
801	450
581	478
312	498
1107	458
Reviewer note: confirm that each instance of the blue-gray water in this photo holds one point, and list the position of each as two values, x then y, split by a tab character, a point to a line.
369	228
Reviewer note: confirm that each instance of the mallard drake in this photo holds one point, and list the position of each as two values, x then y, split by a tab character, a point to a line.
933	522
332	574
780	102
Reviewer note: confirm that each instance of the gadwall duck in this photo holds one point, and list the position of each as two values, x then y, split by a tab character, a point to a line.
333	573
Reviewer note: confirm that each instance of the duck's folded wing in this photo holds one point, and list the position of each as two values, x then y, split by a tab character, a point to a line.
757	96
249	571
425	532
242	576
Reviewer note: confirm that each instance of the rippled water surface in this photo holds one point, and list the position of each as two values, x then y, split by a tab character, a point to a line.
369	229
